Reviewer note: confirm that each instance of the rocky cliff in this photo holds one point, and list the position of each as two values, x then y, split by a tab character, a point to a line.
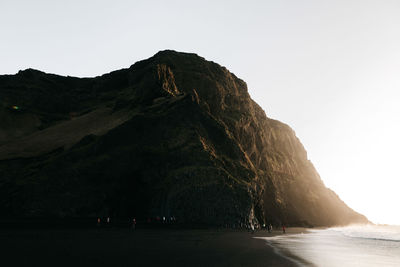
173	135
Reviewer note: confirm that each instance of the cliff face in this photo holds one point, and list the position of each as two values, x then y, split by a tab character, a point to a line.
173	135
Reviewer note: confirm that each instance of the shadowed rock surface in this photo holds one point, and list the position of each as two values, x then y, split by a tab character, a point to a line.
173	135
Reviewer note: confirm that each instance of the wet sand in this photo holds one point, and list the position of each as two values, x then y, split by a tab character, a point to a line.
141	247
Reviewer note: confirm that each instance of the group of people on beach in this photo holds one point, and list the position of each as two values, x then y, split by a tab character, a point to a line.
268	227
158	220
108	222
251	227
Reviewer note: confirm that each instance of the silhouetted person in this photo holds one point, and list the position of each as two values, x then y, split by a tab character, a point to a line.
134	223
283	228
98	221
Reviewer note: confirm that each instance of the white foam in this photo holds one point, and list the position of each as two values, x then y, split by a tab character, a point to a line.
374	232
342	246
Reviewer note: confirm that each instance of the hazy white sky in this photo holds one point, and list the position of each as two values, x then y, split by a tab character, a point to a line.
330	69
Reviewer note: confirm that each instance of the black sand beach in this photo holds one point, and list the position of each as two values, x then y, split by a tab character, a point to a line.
141	247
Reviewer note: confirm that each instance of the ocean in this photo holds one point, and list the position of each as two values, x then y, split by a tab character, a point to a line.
365	246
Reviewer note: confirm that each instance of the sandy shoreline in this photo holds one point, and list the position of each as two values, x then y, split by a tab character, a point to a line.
283	252
147	247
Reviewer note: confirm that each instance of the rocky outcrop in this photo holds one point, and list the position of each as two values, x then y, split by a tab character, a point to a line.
173	135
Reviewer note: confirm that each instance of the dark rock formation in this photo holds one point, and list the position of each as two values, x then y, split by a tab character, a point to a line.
173	135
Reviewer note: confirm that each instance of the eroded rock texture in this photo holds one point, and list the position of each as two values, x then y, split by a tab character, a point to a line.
173	135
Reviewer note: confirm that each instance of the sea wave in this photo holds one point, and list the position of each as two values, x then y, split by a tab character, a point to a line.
365	246
371	232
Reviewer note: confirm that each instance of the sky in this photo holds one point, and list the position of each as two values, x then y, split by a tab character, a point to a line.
329	69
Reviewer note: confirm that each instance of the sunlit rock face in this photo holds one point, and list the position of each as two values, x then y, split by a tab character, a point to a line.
173	135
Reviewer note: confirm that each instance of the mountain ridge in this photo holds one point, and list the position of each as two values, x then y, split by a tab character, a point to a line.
172	135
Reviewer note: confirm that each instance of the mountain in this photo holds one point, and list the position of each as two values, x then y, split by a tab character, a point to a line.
173	135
